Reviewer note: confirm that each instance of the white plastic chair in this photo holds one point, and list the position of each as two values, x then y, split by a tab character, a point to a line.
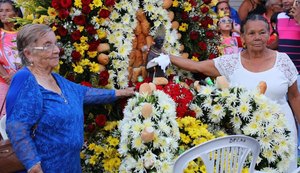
3	127
222	155
297	170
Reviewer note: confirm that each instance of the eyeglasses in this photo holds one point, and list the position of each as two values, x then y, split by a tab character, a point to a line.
226	20
48	46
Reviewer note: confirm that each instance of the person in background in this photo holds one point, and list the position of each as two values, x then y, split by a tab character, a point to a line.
273	7
229	44
223	5
9	59
223	9
249	7
295	12
254	64
42	100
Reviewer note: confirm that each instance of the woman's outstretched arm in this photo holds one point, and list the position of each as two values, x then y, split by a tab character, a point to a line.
206	67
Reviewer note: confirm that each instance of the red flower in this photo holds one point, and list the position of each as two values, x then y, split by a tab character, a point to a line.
103	78
209	34
184	15
85	83
196	55
195	18
206	1
86	9
75	56
79	20
100	120
204	9
91	128
75	36
194	35
109	3
63	13
90	29
93	45
202	45
56	4
86	2
212	56
104	13
206	21
66	3
193	3
62	31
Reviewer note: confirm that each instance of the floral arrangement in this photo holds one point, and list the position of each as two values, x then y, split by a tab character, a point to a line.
101	153
149	133
238	111
182	96
196	23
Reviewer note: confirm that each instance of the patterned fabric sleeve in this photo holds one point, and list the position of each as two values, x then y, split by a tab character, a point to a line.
226	64
287	67
24	105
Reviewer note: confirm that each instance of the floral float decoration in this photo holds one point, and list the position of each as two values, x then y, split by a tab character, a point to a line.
149	132
235	110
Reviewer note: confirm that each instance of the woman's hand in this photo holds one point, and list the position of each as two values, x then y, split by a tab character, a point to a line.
125	92
36	169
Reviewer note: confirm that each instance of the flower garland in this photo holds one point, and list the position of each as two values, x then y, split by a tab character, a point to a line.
237	111
120	35
149	143
102	154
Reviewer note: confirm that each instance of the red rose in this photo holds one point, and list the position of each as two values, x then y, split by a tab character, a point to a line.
100	120
66	3
86	2
195	18
63	13
212	56
71	77
209	34
93	45
91	128
90	29
86	9
193	3
204	9
202	45
184	15
75	56
75	36
56	4
79	20
62	31
206	1
104	13
85	83
103	78
194	35
109	3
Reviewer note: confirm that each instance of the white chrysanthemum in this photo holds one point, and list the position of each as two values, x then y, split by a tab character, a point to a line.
269	155
236	121
196	109
244	109
252	128
265	142
206	90
114	15
283	165
165	167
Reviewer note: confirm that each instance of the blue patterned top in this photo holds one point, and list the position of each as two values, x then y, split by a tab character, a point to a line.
59	135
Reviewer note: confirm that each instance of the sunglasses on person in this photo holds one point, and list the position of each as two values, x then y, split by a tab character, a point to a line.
226	21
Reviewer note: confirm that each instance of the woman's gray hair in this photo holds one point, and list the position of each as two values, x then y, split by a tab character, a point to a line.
28	36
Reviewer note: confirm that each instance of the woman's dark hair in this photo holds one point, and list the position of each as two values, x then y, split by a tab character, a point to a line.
16	9
273	19
254	17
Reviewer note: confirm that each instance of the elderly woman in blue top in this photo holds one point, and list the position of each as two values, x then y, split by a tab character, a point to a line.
39	96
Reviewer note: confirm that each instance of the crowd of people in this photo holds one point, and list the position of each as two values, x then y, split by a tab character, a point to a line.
260	42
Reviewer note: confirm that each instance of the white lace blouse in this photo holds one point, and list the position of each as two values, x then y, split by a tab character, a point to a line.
281	76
